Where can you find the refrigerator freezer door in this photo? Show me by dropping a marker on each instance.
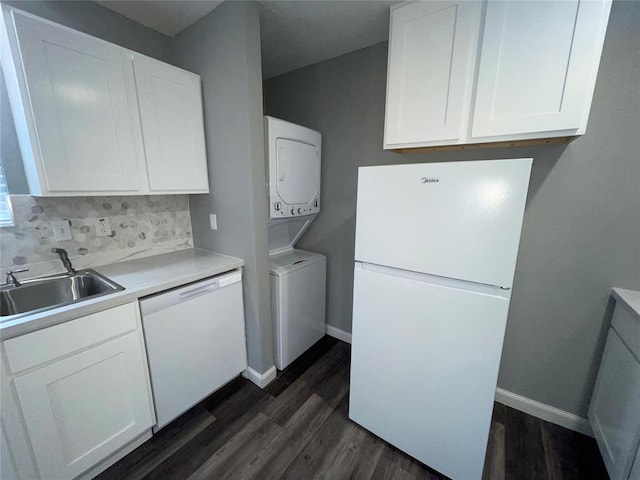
(459, 220)
(424, 367)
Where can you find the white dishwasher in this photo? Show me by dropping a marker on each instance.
(195, 337)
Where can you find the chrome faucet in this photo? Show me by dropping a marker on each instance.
(11, 278)
(64, 257)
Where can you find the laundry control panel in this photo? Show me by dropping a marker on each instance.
(279, 209)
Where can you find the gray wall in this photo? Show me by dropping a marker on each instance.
(224, 48)
(582, 224)
(87, 17)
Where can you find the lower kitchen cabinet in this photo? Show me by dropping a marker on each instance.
(614, 412)
(82, 406)
(81, 409)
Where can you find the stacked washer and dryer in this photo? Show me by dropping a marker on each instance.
(298, 277)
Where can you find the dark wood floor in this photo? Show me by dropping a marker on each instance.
(298, 428)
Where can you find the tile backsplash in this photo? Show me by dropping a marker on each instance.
(140, 226)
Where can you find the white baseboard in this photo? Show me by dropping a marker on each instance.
(260, 379)
(544, 412)
(337, 333)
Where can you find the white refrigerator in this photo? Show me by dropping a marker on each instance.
(435, 255)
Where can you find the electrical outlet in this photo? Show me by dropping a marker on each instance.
(62, 230)
(213, 221)
(103, 228)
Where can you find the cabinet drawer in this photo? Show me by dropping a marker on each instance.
(628, 326)
(47, 344)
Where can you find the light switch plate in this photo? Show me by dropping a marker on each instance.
(213, 221)
(62, 230)
(103, 227)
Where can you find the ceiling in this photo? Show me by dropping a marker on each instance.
(299, 33)
(165, 16)
(294, 34)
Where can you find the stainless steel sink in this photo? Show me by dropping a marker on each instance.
(40, 294)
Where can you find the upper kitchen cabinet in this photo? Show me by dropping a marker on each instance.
(93, 118)
(170, 102)
(538, 67)
(432, 49)
(77, 112)
(528, 80)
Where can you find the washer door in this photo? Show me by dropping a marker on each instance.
(298, 171)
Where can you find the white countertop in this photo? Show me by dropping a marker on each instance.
(141, 277)
(629, 297)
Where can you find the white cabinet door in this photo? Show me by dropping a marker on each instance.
(82, 408)
(432, 49)
(538, 66)
(170, 102)
(81, 109)
(614, 411)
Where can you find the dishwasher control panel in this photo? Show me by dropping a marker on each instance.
(165, 299)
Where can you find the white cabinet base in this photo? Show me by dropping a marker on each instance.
(614, 410)
(504, 143)
(81, 409)
(77, 394)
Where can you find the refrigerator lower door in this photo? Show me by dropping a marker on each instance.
(424, 367)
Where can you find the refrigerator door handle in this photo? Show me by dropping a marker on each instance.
(496, 290)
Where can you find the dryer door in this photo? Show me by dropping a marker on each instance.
(298, 171)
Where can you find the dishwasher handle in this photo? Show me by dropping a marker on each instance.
(163, 300)
(198, 290)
